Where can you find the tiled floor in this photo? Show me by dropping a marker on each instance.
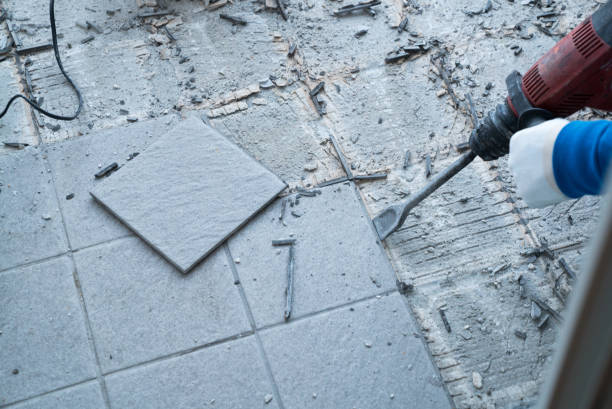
(102, 321)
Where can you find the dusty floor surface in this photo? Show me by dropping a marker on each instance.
(462, 250)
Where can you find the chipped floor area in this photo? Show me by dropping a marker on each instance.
(488, 306)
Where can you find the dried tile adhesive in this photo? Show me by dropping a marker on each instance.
(188, 192)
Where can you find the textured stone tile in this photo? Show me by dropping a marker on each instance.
(364, 356)
(141, 308)
(337, 258)
(74, 163)
(85, 396)
(43, 338)
(230, 375)
(30, 220)
(188, 192)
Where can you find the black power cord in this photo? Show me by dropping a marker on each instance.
(61, 67)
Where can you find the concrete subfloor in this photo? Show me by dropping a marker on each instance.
(461, 249)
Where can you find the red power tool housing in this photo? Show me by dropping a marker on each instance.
(576, 73)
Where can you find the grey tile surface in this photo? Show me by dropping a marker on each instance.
(188, 192)
(141, 308)
(30, 220)
(364, 356)
(43, 340)
(230, 375)
(85, 396)
(337, 259)
(74, 163)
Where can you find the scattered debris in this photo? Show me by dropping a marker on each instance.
(404, 287)
(133, 155)
(444, 320)
(289, 290)
(292, 48)
(427, 165)
(350, 8)
(406, 52)
(539, 251)
(361, 33)
(543, 321)
(477, 380)
(311, 166)
(487, 7)
(567, 269)
(156, 14)
(281, 9)
(536, 311)
(283, 207)
(520, 334)
(283, 242)
(233, 19)
(16, 145)
(107, 170)
(402, 25)
(374, 176)
(314, 97)
(216, 4)
(439, 62)
(406, 160)
(87, 39)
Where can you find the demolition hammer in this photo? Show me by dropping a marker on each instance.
(574, 74)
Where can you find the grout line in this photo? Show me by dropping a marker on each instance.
(64, 253)
(61, 388)
(77, 284)
(326, 310)
(33, 263)
(181, 353)
(251, 318)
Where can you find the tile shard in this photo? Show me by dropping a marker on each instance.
(188, 192)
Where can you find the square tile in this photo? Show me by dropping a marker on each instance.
(43, 339)
(363, 356)
(337, 256)
(74, 163)
(85, 396)
(231, 375)
(141, 308)
(188, 192)
(30, 220)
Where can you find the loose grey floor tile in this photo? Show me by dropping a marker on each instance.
(230, 375)
(141, 308)
(337, 258)
(85, 396)
(364, 356)
(188, 192)
(74, 164)
(43, 338)
(30, 221)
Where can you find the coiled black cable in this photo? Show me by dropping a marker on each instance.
(61, 67)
